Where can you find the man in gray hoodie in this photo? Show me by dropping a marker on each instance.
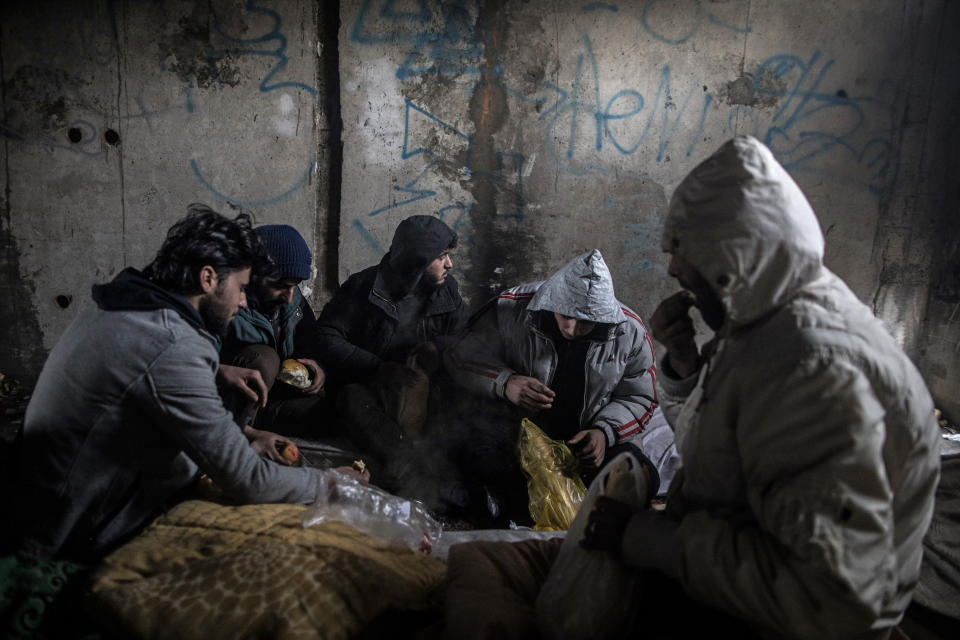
(127, 411)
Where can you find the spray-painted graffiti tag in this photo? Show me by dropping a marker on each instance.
(808, 128)
(420, 140)
(61, 107)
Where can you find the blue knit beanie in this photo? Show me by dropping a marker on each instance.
(287, 250)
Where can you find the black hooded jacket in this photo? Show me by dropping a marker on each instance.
(369, 320)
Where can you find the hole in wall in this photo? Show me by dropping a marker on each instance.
(63, 301)
(111, 136)
(74, 135)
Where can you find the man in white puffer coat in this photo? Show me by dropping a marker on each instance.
(808, 440)
(568, 354)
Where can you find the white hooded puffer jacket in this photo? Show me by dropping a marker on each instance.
(808, 438)
(620, 391)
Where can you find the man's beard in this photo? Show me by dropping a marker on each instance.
(427, 284)
(270, 307)
(215, 314)
(709, 305)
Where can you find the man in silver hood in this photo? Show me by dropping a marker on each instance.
(808, 439)
(575, 359)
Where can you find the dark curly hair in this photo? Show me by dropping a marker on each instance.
(204, 237)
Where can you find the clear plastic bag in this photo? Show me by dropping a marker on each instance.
(374, 511)
(591, 593)
(554, 484)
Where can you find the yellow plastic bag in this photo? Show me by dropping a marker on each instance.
(553, 483)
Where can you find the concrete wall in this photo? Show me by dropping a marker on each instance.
(116, 115)
(538, 129)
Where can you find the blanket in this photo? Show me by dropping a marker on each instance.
(205, 570)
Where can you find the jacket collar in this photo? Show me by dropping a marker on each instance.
(443, 299)
(130, 291)
(284, 312)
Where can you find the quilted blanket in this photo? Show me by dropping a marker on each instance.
(204, 570)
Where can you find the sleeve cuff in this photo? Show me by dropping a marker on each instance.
(670, 383)
(608, 432)
(500, 384)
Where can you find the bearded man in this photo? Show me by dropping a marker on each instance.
(127, 413)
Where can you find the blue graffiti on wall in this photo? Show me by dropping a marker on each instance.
(271, 44)
(509, 174)
(443, 39)
(581, 125)
(810, 128)
(690, 20)
(451, 49)
(96, 40)
(796, 133)
(581, 118)
(800, 132)
(251, 47)
(263, 202)
(640, 239)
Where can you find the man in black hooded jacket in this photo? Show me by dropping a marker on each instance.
(379, 338)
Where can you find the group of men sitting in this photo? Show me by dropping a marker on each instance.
(807, 438)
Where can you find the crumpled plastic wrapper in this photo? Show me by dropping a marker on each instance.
(553, 480)
(375, 512)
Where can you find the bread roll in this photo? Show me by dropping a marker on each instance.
(294, 373)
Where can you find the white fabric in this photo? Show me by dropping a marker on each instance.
(620, 393)
(590, 593)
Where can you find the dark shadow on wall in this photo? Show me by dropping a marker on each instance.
(21, 342)
(331, 142)
(940, 329)
(22, 354)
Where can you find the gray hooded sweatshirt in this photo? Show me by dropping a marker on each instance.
(125, 411)
(808, 438)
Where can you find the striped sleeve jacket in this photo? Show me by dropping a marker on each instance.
(503, 340)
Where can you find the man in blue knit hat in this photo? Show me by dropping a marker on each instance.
(276, 326)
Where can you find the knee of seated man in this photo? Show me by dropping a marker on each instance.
(261, 357)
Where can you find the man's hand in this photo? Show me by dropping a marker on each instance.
(590, 447)
(528, 392)
(606, 524)
(264, 444)
(672, 326)
(317, 376)
(249, 382)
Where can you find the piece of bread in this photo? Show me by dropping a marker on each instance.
(294, 373)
